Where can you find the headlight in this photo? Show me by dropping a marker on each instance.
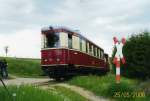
(50, 59)
(57, 59)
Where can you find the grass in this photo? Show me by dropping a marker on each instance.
(31, 93)
(105, 86)
(24, 67)
(68, 94)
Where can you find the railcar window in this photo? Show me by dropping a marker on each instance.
(91, 52)
(87, 47)
(90, 49)
(83, 46)
(80, 44)
(69, 41)
(102, 54)
(98, 52)
(94, 51)
(52, 40)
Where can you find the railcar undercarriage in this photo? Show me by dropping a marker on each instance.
(65, 72)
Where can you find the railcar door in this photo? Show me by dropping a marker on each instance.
(64, 46)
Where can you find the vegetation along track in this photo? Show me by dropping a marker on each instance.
(85, 93)
(51, 84)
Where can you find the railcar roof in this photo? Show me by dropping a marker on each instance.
(47, 30)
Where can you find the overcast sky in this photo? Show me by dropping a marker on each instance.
(98, 20)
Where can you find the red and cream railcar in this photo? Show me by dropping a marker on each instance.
(66, 53)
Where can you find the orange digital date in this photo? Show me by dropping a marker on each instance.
(129, 94)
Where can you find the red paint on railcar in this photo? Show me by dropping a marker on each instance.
(53, 56)
(70, 56)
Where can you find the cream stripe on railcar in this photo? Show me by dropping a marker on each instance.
(43, 41)
(75, 42)
(63, 39)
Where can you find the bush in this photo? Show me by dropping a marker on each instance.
(137, 54)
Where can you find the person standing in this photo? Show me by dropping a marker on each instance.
(1, 67)
(4, 72)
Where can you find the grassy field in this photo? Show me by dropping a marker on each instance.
(30, 93)
(24, 67)
(127, 90)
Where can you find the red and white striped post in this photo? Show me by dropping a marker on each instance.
(118, 44)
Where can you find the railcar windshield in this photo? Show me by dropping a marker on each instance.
(51, 40)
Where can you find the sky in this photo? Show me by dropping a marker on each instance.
(98, 20)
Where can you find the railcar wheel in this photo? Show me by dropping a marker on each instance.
(67, 78)
(59, 79)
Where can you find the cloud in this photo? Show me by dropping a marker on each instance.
(98, 20)
(23, 43)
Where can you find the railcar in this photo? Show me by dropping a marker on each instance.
(66, 53)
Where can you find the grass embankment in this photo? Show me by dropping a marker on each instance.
(24, 67)
(30, 93)
(127, 90)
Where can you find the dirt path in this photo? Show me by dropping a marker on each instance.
(85, 93)
(44, 83)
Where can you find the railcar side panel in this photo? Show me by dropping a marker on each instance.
(70, 56)
(83, 59)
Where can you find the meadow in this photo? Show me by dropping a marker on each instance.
(33, 93)
(24, 67)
